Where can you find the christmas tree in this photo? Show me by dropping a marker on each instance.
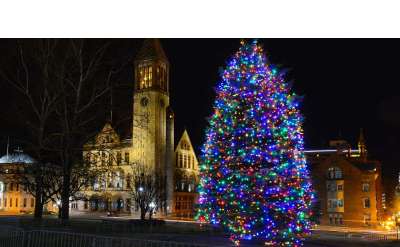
(254, 178)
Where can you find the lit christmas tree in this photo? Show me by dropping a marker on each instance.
(254, 178)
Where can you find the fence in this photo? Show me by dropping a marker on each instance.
(14, 237)
(382, 236)
(102, 226)
(11, 237)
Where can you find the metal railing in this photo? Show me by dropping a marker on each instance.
(14, 237)
(382, 236)
(11, 236)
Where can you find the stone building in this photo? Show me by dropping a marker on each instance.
(14, 198)
(347, 185)
(186, 178)
(151, 144)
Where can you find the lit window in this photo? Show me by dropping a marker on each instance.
(365, 187)
(127, 157)
(119, 158)
(367, 219)
(334, 173)
(180, 161)
(185, 145)
(162, 76)
(145, 76)
(128, 181)
(366, 202)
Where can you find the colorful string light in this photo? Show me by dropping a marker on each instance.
(254, 177)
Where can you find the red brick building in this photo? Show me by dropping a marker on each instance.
(347, 184)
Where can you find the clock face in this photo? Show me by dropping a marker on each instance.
(144, 101)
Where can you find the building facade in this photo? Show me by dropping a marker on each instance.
(347, 185)
(151, 145)
(14, 198)
(186, 178)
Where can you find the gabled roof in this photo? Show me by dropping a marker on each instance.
(151, 50)
(107, 135)
(185, 137)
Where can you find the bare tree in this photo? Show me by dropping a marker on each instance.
(36, 109)
(148, 189)
(63, 83)
(82, 177)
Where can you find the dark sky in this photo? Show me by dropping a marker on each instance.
(347, 84)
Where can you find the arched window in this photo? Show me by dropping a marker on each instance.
(180, 161)
(162, 76)
(145, 75)
(128, 181)
(185, 145)
(119, 158)
(192, 184)
(334, 173)
(184, 183)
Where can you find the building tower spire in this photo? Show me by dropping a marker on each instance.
(152, 67)
(8, 145)
(362, 148)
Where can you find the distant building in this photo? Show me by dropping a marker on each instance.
(396, 201)
(347, 184)
(14, 198)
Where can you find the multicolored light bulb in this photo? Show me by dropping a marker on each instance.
(254, 177)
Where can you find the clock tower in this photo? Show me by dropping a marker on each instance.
(150, 141)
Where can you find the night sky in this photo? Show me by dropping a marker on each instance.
(347, 84)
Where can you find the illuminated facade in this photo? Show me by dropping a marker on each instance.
(347, 185)
(151, 143)
(186, 178)
(14, 198)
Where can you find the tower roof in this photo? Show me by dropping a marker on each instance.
(151, 50)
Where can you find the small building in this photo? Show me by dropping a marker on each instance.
(14, 198)
(186, 178)
(347, 185)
